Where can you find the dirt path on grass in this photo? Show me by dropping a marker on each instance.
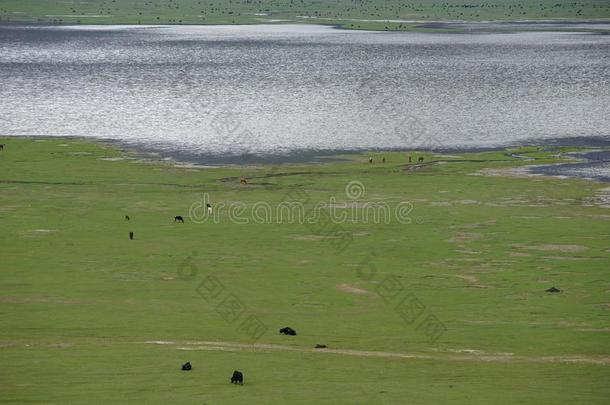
(469, 355)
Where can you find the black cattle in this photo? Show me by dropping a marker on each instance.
(288, 331)
(131, 235)
(237, 378)
(370, 160)
(187, 366)
(320, 346)
(553, 290)
(383, 159)
(127, 218)
(409, 159)
(1, 146)
(178, 218)
(420, 159)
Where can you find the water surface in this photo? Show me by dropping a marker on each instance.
(221, 90)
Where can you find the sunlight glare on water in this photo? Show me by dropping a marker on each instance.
(282, 88)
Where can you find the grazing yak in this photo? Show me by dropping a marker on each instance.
(420, 159)
(288, 331)
(187, 366)
(237, 378)
(127, 218)
(178, 218)
(131, 235)
(318, 346)
(553, 290)
(1, 146)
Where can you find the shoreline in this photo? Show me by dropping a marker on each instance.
(588, 165)
(430, 26)
(587, 146)
(313, 155)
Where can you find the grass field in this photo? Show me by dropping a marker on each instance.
(89, 316)
(373, 14)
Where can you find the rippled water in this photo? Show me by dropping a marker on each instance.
(593, 165)
(281, 88)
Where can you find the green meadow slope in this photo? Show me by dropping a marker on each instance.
(363, 14)
(444, 303)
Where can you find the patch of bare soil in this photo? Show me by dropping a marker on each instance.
(37, 232)
(20, 300)
(519, 254)
(352, 205)
(601, 198)
(440, 204)
(309, 237)
(468, 252)
(469, 278)
(352, 289)
(572, 258)
(555, 248)
(462, 237)
(602, 330)
(473, 281)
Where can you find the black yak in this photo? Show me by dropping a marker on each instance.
(237, 378)
(288, 331)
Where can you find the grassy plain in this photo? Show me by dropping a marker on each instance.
(89, 316)
(376, 15)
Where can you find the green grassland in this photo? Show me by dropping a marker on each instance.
(81, 305)
(347, 13)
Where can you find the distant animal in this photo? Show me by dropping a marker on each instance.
(370, 160)
(288, 331)
(187, 366)
(209, 209)
(383, 159)
(242, 180)
(320, 346)
(1, 146)
(553, 290)
(237, 378)
(127, 218)
(178, 218)
(420, 159)
(131, 235)
(409, 159)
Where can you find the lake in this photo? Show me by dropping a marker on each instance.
(220, 91)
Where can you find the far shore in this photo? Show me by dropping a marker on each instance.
(415, 25)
